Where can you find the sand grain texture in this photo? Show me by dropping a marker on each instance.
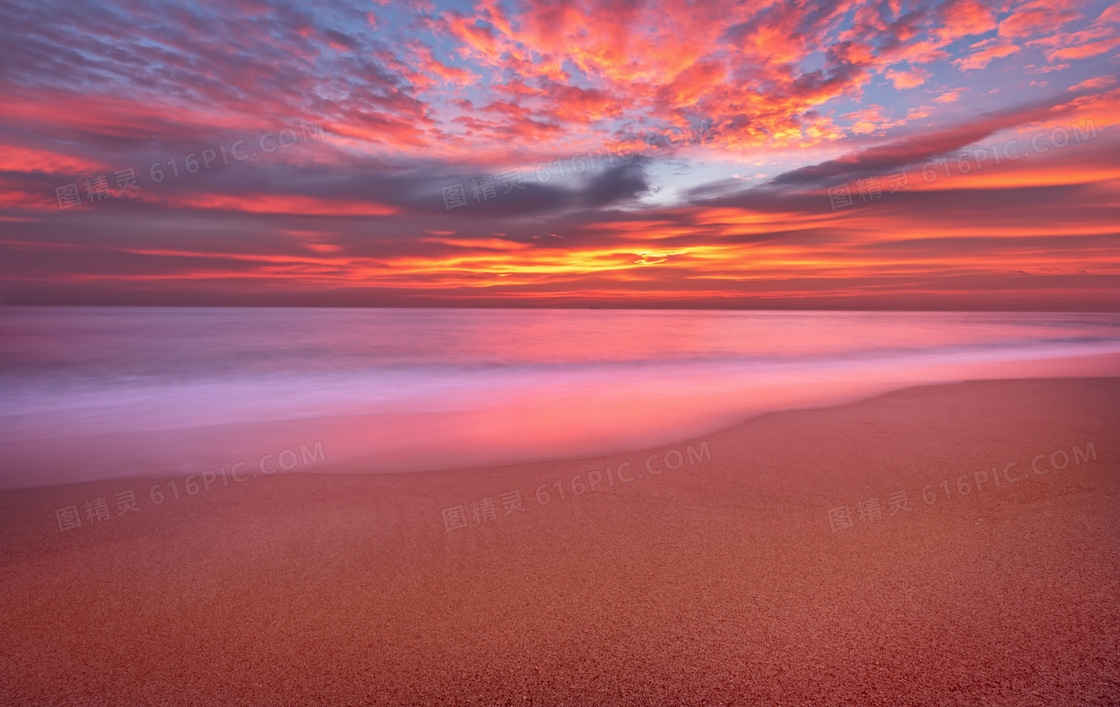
(717, 583)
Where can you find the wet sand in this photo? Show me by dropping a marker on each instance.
(725, 580)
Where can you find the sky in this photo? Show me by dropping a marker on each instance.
(955, 155)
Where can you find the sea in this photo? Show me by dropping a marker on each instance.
(89, 393)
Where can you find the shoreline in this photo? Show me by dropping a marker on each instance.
(176, 489)
(202, 450)
(724, 579)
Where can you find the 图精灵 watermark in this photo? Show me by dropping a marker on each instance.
(485, 187)
(870, 510)
(485, 510)
(97, 510)
(98, 188)
(967, 161)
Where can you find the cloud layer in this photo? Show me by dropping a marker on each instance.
(820, 154)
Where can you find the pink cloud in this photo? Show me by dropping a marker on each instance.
(1085, 50)
(981, 59)
(1035, 17)
(907, 79)
(1094, 83)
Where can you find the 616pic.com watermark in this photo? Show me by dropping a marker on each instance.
(870, 510)
(485, 510)
(97, 187)
(870, 188)
(484, 187)
(97, 510)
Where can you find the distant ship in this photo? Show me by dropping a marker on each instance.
(595, 306)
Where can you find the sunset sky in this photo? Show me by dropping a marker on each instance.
(823, 155)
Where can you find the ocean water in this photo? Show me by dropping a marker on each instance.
(106, 392)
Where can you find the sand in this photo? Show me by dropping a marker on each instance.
(720, 582)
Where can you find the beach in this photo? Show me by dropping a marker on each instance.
(556, 353)
(720, 569)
